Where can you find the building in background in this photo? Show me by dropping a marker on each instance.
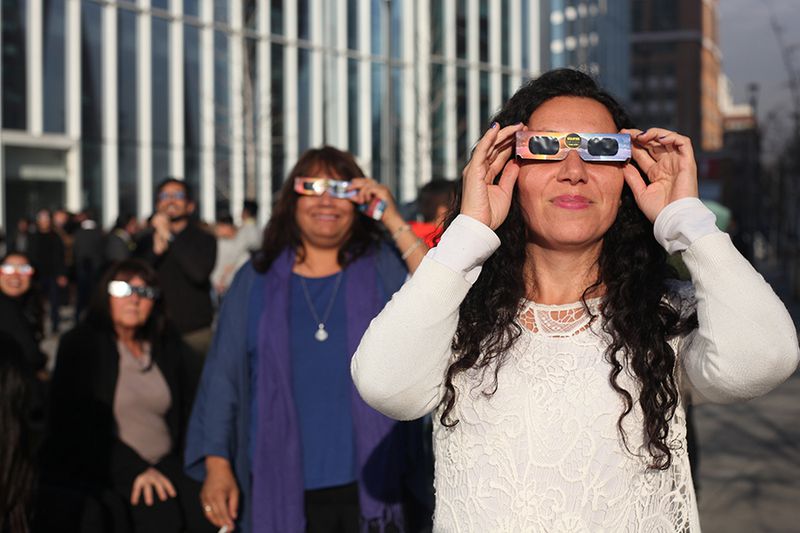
(592, 35)
(103, 99)
(676, 67)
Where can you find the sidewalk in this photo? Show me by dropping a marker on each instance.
(750, 454)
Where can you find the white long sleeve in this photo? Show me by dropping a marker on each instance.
(400, 364)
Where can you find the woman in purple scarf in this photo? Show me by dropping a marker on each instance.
(278, 433)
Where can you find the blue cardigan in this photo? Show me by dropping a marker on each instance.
(221, 421)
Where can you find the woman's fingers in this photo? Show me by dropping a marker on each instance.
(634, 180)
(161, 491)
(148, 494)
(136, 491)
(509, 177)
(233, 505)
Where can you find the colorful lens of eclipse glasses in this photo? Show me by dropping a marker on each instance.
(122, 289)
(554, 146)
(23, 270)
(319, 186)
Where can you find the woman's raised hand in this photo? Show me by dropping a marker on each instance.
(668, 161)
(481, 198)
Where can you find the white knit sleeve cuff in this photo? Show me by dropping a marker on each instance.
(682, 222)
(465, 246)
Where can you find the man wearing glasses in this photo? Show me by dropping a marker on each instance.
(183, 254)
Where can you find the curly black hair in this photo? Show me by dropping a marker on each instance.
(632, 268)
(282, 230)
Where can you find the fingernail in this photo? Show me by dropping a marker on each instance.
(494, 125)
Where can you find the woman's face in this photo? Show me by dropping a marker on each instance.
(130, 312)
(15, 276)
(324, 221)
(570, 204)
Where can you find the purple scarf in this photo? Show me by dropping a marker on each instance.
(277, 503)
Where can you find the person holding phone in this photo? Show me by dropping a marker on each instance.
(278, 434)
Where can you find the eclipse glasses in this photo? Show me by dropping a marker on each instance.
(319, 186)
(554, 146)
(9, 270)
(338, 189)
(122, 289)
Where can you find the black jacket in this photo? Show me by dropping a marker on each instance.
(82, 448)
(14, 322)
(46, 251)
(184, 270)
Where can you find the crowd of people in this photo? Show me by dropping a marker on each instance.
(522, 335)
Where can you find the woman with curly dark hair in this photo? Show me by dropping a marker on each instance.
(279, 435)
(550, 335)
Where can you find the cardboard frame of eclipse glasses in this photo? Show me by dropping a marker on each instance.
(554, 146)
(312, 186)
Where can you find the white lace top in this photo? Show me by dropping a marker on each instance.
(543, 453)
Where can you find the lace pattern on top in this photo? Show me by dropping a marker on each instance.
(559, 320)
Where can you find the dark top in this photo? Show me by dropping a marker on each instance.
(184, 270)
(46, 252)
(82, 449)
(88, 249)
(14, 322)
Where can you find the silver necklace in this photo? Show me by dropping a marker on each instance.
(321, 335)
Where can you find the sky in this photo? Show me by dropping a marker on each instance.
(750, 53)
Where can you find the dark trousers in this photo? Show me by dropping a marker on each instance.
(175, 515)
(52, 292)
(332, 510)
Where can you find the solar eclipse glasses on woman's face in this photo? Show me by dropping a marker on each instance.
(554, 146)
(122, 289)
(319, 186)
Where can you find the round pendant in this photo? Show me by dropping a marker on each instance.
(321, 334)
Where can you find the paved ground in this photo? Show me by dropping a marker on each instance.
(750, 456)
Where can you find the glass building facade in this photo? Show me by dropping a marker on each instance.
(103, 99)
(592, 35)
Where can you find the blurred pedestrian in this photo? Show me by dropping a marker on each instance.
(281, 438)
(434, 201)
(249, 235)
(17, 469)
(87, 251)
(46, 252)
(551, 339)
(231, 255)
(184, 256)
(120, 242)
(20, 309)
(19, 240)
(121, 395)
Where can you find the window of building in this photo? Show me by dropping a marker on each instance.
(191, 8)
(191, 105)
(14, 31)
(276, 115)
(160, 97)
(438, 123)
(483, 31)
(221, 10)
(222, 123)
(91, 105)
(53, 66)
(353, 101)
(127, 111)
(304, 98)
